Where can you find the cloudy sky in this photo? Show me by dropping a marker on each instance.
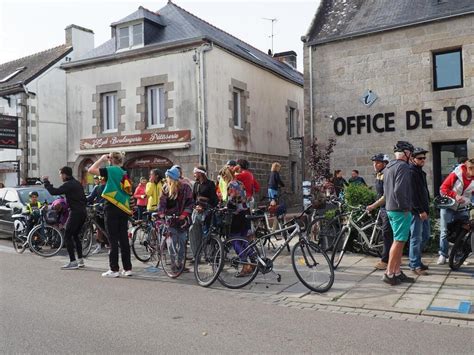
(31, 26)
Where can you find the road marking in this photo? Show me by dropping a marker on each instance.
(464, 308)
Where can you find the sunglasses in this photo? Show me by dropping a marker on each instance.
(420, 158)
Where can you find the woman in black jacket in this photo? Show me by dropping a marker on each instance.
(274, 181)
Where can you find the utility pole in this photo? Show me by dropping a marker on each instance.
(273, 20)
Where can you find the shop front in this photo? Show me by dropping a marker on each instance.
(143, 152)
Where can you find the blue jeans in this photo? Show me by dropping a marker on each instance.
(420, 234)
(447, 216)
(179, 239)
(272, 194)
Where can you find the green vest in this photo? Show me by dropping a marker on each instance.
(117, 188)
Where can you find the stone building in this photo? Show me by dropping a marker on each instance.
(381, 71)
(33, 97)
(169, 88)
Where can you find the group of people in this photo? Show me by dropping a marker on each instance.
(189, 201)
(335, 183)
(404, 199)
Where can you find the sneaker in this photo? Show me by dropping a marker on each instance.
(80, 263)
(72, 265)
(404, 278)
(111, 273)
(441, 260)
(424, 267)
(127, 273)
(420, 272)
(97, 250)
(381, 265)
(393, 281)
(467, 263)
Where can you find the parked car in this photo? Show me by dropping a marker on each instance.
(13, 200)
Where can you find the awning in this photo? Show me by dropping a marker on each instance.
(135, 148)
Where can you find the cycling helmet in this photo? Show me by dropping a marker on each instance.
(386, 159)
(33, 193)
(379, 157)
(418, 151)
(401, 146)
(444, 201)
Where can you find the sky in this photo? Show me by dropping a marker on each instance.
(28, 27)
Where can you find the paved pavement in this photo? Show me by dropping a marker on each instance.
(442, 297)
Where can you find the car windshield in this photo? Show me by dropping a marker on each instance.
(43, 195)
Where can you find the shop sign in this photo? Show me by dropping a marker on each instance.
(8, 132)
(368, 98)
(160, 137)
(385, 122)
(149, 161)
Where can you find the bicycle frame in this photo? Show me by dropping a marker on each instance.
(361, 230)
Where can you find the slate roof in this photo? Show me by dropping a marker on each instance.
(141, 13)
(182, 26)
(338, 19)
(33, 65)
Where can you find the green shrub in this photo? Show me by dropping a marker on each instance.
(330, 214)
(356, 195)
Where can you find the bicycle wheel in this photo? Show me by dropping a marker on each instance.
(45, 240)
(460, 251)
(208, 262)
(19, 242)
(340, 246)
(323, 232)
(87, 237)
(144, 243)
(239, 263)
(312, 266)
(173, 254)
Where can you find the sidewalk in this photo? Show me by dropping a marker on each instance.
(357, 286)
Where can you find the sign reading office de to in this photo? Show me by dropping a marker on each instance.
(159, 137)
(8, 132)
(385, 122)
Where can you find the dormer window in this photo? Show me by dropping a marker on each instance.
(130, 36)
(11, 75)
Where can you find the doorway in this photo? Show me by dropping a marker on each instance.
(445, 158)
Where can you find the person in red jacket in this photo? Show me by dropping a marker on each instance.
(141, 197)
(460, 186)
(250, 183)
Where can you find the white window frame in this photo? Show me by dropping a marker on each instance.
(237, 105)
(131, 42)
(292, 126)
(109, 118)
(9, 76)
(156, 117)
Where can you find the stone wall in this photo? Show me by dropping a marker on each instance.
(397, 66)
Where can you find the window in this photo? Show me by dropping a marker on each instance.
(123, 38)
(109, 113)
(130, 36)
(292, 123)
(237, 110)
(11, 196)
(9, 76)
(447, 69)
(293, 172)
(156, 106)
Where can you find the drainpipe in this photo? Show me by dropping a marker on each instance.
(202, 102)
(311, 118)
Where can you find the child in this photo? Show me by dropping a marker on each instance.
(32, 209)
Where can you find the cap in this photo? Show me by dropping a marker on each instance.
(173, 173)
(231, 163)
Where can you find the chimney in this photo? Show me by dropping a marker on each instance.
(289, 58)
(81, 39)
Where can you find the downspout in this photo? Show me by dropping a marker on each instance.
(311, 116)
(202, 103)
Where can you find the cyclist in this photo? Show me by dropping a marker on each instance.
(61, 207)
(274, 182)
(380, 161)
(95, 197)
(140, 196)
(76, 200)
(398, 194)
(246, 177)
(204, 194)
(458, 185)
(176, 199)
(32, 210)
(153, 190)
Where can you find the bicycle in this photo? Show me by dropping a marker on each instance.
(208, 262)
(145, 244)
(310, 263)
(93, 224)
(370, 242)
(172, 247)
(43, 239)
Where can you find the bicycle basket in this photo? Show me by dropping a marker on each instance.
(51, 216)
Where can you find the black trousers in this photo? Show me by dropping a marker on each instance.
(116, 225)
(387, 235)
(73, 227)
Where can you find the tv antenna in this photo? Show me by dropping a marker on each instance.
(273, 20)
